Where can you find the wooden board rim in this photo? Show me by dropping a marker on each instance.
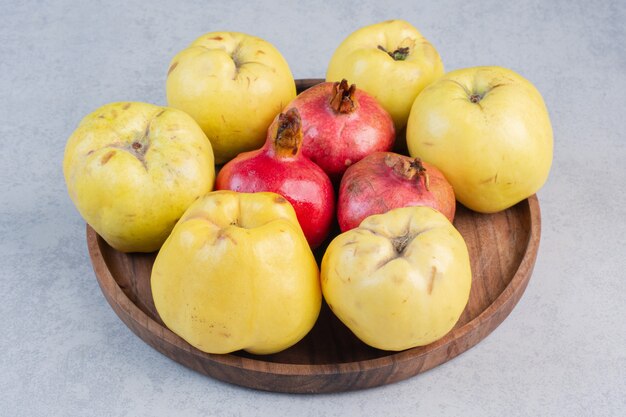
(479, 327)
(283, 377)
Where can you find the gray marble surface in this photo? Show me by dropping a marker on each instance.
(64, 352)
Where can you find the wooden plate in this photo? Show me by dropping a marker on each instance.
(502, 246)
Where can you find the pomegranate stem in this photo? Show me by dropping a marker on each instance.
(343, 99)
(410, 170)
(420, 171)
(288, 133)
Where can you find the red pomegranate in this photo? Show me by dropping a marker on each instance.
(385, 180)
(280, 167)
(341, 125)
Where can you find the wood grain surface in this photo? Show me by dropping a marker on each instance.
(502, 246)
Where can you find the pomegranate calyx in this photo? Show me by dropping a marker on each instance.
(420, 171)
(343, 100)
(410, 170)
(288, 133)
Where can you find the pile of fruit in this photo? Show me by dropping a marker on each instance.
(235, 267)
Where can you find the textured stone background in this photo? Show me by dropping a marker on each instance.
(63, 352)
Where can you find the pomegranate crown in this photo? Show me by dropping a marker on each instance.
(409, 169)
(289, 131)
(343, 100)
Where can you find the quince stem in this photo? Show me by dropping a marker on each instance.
(399, 54)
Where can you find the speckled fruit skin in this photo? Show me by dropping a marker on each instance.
(283, 169)
(488, 130)
(133, 168)
(399, 280)
(364, 58)
(335, 140)
(232, 84)
(385, 180)
(237, 273)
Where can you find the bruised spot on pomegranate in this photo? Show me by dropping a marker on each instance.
(354, 187)
(107, 157)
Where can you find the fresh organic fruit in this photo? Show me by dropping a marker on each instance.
(233, 85)
(390, 60)
(132, 169)
(488, 130)
(400, 280)
(341, 124)
(237, 273)
(280, 167)
(383, 181)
